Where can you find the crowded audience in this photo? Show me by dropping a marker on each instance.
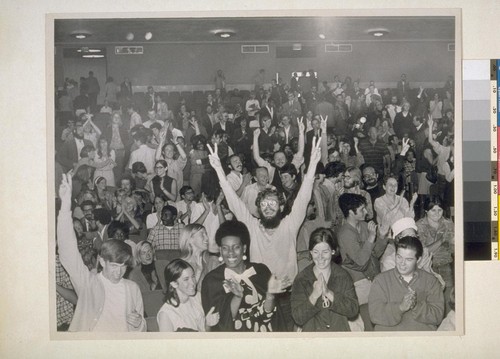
(302, 206)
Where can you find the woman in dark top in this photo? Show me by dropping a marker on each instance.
(243, 293)
(161, 184)
(144, 273)
(323, 295)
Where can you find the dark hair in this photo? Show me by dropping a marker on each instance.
(410, 242)
(172, 272)
(288, 168)
(130, 179)
(87, 203)
(432, 201)
(140, 136)
(138, 167)
(183, 190)
(233, 228)
(155, 125)
(267, 193)
(198, 138)
(333, 169)
(228, 159)
(163, 163)
(99, 151)
(116, 251)
(84, 153)
(350, 202)
(326, 235)
(170, 208)
(116, 225)
(102, 215)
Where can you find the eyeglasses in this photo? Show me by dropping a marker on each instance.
(269, 203)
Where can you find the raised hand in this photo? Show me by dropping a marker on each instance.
(315, 153)
(220, 198)
(256, 133)
(212, 318)
(323, 123)
(214, 157)
(406, 146)
(65, 187)
(301, 125)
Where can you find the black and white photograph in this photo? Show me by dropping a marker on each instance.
(255, 173)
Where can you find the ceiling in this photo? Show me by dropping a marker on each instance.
(262, 29)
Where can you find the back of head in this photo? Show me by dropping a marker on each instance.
(116, 251)
(138, 167)
(288, 168)
(102, 215)
(333, 169)
(350, 202)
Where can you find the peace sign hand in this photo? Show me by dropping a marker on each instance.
(406, 146)
(323, 122)
(315, 153)
(301, 124)
(214, 157)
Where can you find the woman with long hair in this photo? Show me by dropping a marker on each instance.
(182, 310)
(105, 162)
(193, 243)
(175, 156)
(391, 206)
(323, 294)
(144, 273)
(104, 197)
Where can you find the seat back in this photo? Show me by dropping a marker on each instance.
(163, 258)
(153, 300)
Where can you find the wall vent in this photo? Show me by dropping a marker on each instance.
(338, 47)
(254, 49)
(129, 50)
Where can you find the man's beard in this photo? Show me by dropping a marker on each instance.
(371, 183)
(352, 185)
(270, 223)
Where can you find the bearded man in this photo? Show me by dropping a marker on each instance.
(273, 235)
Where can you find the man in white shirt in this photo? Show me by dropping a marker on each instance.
(152, 118)
(135, 118)
(236, 179)
(143, 153)
(106, 301)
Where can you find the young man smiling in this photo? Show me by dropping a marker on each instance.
(106, 301)
(406, 298)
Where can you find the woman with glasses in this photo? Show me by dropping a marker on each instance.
(161, 184)
(323, 294)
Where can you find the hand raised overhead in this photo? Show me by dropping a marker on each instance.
(214, 157)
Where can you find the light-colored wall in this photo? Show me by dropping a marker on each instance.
(194, 65)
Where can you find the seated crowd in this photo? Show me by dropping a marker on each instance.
(304, 207)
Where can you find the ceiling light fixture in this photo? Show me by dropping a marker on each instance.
(378, 32)
(322, 36)
(129, 36)
(297, 47)
(80, 35)
(148, 36)
(223, 33)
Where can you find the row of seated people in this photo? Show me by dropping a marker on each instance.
(272, 240)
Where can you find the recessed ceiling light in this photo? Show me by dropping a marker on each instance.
(223, 33)
(130, 36)
(80, 34)
(148, 36)
(378, 32)
(322, 36)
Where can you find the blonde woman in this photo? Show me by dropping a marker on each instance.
(193, 242)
